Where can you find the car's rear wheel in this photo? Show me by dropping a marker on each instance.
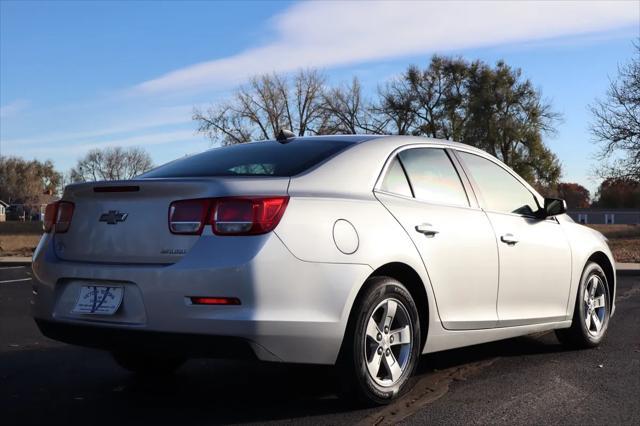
(591, 312)
(147, 364)
(382, 343)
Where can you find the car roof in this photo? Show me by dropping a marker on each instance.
(400, 140)
(362, 164)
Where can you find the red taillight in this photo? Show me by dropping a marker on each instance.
(57, 216)
(227, 216)
(247, 216)
(50, 213)
(63, 217)
(215, 301)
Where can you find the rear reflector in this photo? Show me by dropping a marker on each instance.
(215, 300)
(57, 216)
(227, 216)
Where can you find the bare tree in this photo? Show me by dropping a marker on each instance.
(266, 104)
(346, 111)
(616, 124)
(111, 164)
(395, 107)
(493, 108)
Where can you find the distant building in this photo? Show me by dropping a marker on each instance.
(596, 216)
(3, 211)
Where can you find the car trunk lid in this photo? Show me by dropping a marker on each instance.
(127, 221)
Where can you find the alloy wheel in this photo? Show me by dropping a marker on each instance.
(388, 342)
(595, 305)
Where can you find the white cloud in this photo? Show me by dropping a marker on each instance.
(150, 139)
(13, 108)
(163, 116)
(327, 34)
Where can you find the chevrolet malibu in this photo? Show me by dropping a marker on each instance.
(361, 252)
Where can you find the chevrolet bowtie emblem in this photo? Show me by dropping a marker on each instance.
(113, 217)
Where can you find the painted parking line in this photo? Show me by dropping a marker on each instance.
(10, 267)
(15, 281)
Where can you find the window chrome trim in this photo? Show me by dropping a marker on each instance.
(472, 203)
(427, 202)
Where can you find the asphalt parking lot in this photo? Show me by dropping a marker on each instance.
(528, 380)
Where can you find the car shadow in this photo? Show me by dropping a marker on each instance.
(537, 344)
(66, 384)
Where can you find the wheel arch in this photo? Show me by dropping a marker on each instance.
(410, 278)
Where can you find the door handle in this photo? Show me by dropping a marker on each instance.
(427, 229)
(509, 239)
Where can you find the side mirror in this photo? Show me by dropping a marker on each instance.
(553, 207)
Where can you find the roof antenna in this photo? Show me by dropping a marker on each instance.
(285, 136)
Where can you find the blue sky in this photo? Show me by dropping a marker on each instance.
(78, 75)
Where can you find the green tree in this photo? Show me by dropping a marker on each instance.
(507, 118)
(492, 108)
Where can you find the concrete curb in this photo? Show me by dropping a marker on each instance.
(14, 261)
(626, 269)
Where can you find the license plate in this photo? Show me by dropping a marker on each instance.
(100, 300)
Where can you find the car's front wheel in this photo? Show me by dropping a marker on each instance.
(147, 364)
(382, 343)
(591, 311)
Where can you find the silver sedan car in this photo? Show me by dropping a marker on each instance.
(361, 252)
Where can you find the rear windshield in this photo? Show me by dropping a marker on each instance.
(267, 158)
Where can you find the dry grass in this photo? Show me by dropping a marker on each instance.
(18, 245)
(20, 228)
(618, 231)
(624, 241)
(625, 249)
(19, 238)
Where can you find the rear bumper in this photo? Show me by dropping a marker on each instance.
(291, 311)
(116, 339)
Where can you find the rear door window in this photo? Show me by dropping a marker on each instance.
(433, 177)
(395, 181)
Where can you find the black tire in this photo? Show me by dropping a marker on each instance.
(578, 335)
(357, 383)
(147, 364)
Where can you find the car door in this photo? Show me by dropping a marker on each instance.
(425, 193)
(535, 257)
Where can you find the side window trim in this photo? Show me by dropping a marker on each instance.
(472, 196)
(406, 175)
(478, 192)
(467, 185)
(453, 164)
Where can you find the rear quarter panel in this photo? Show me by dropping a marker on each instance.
(306, 230)
(342, 189)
